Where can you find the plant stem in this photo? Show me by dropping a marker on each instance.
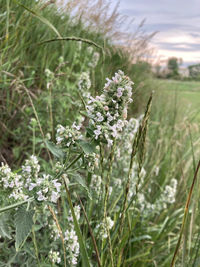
(35, 246)
(38, 121)
(91, 233)
(60, 233)
(111, 159)
(16, 205)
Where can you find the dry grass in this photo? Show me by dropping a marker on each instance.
(102, 17)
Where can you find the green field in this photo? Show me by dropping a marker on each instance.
(184, 95)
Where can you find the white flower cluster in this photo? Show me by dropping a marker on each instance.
(95, 184)
(170, 192)
(72, 245)
(137, 179)
(94, 61)
(128, 136)
(84, 84)
(167, 197)
(12, 182)
(117, 183)
(55, 235)
(89, 50)
(54, 256)
(49, 76)
(67, 136)
(30, 183)
(91, 161)
(108, 111)
(102, 227)
(58, 167)
(47, 188)
(30, 170)
(156, 170)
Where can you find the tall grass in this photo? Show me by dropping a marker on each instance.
(25, 56)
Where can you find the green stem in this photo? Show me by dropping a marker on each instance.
(85, 259)
(50, 111)
(35, 246)
(74, 161)
(111, 159)
(33, 140)
(16, 205)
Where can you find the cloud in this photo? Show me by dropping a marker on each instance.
(177, 23)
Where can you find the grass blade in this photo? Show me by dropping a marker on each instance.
(91, 233)
(42, 19)
(85, 259)
(185, 215)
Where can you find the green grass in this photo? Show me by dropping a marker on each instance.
(186, 93)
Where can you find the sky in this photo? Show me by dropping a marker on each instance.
(177, 23)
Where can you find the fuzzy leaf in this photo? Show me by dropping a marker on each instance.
(88, 148)
(57, 152)
(23, 224)
(79, 180)
(4, 229)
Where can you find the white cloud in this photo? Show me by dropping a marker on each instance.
(177, 23)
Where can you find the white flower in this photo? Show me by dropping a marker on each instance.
(54, 196)
(31, 186)
(40, 196)
(108, 223)
(119, 92)
(99, 117)
(54, 256)
(97, 133)
(110, 142)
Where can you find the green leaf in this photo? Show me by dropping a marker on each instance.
(81, 182)
(87, 147)
(57, 152)
(139, 256)
(90, 132)
(4, 229)
(23, 224)
(143, 237)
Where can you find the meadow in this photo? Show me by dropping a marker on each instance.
(186, 94)
(98, 159)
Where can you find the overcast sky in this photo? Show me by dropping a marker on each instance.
(177, 23)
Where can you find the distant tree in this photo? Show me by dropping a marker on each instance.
(194, 71)
(158, 70)
(173, 66)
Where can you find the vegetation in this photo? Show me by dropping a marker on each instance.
(24, 59)
(194, 71)
(95, 170)
(172, 65)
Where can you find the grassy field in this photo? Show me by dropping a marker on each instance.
(185, 96)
